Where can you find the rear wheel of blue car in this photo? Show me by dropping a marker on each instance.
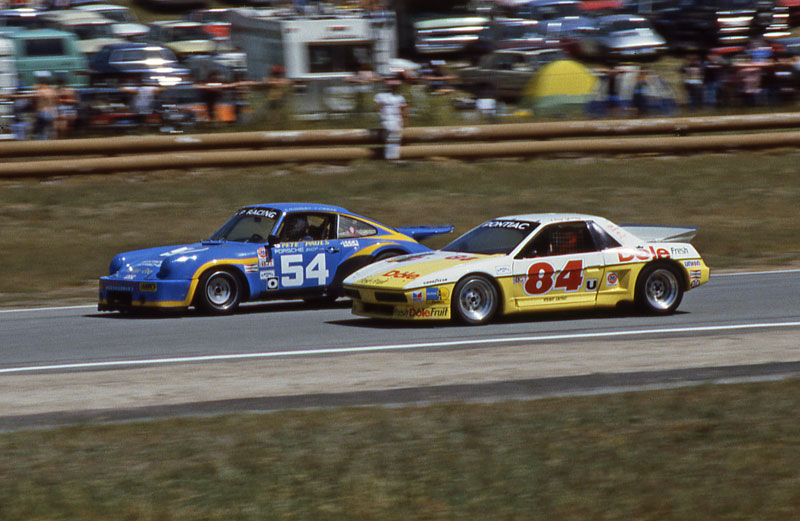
(219, 292)
(475, 300)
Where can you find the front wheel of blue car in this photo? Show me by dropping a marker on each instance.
(475, 300)
(219, 292)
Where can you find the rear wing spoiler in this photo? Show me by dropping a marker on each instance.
(661, 233)
(423, 232)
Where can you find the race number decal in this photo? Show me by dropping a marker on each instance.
(540, 277)
(293, 275)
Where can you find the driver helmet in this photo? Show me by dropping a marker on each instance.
(295, 228)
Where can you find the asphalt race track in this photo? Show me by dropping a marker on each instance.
(77, 362)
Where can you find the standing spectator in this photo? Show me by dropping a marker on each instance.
(693, 82)
(612, 101)
(46, 102)
(144, 101)
(67, 107)
(211, 92)
(393, 111)
(278, 85)
(639, 100)
(712, 77)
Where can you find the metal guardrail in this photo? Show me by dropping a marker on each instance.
(667, 135)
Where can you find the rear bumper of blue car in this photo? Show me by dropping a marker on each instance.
(125, 295)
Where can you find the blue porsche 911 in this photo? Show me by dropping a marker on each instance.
(263, 252)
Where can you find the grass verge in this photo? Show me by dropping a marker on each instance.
(58, 235)
(709, 452)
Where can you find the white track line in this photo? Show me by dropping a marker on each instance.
(395, 347)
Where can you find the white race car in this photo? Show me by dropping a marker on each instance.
(519, 263)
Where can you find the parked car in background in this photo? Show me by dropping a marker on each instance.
(49, 50)
(20, 18)
(184, 38)
(92, 29)
(559, 19)
(622, 37)
(216, 22)
(691, 25)
(140, 63)
(124, 25)
(448, 34)
(504, 74)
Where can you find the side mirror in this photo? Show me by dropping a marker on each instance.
(272, 240)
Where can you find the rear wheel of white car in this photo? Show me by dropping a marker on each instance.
(219, 292)
(475, 300)
(659, 290)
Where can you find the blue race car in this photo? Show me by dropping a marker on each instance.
(263, 252)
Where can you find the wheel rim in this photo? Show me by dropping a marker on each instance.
(662, 289)
(476, 300)
(221, 290)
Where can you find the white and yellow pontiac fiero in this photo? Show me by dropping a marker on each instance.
(547, 262)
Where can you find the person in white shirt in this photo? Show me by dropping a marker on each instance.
(393, 111)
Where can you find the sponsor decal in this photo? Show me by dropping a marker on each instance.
(612, 281)
(417, 296)
(433, 294)
(434, 312)
(351, 243)
(119, 288)
(679, 251)
(516, 225)
(542, 279)
(272, 283)
(501, 271)
(462, 258)
(694, 283)
(692, 263)
(262, 253)
(520, 279)
(434, 281)
(251, 268)
(642, 254)
(148, 286)
(266, 263)
(695, 274)
(267, 274)
(290, 249)
(553, 300)
(259, 212)
(591, 284)
(397, 274)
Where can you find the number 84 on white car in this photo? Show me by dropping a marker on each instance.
(546, 262)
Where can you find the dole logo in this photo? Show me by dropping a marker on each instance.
(397, 274)
(643, 254)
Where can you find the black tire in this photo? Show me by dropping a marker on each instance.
(659, 289)
(475, 300)
(386, 255)
(219, 292)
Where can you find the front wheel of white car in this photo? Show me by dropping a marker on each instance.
(475, 300)
(219, 292)
(659, 290)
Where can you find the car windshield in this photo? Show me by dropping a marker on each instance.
(627, 25)
(498, 236)
(248, 225)
(153, 56)
(91, 31)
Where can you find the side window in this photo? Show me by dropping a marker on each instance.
(560, 239)
(350, 228)
(307, 227)
(603, 240)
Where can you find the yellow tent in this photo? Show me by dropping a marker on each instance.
(560, 86)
